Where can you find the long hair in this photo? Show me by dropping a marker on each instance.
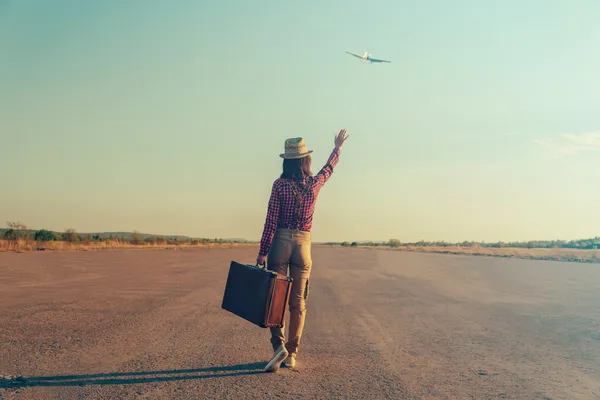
(296, 168)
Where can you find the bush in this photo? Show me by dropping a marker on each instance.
(136, 238)
(10, 235)
(394, 243)
(151, 239)
(87, 239)
(44, 235)
(16, 231)
(71, 236)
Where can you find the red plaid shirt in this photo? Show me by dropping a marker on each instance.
(282, 203)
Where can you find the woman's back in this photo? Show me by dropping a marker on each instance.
(292, 201)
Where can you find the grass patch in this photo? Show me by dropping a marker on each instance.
(32, 245)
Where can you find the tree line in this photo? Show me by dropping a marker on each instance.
(17, 231)
(583, 244)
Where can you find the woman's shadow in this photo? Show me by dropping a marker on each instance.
(125, 378)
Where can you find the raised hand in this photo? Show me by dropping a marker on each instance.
(340, 138)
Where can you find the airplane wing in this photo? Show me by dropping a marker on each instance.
(355, 55)
(378, 60)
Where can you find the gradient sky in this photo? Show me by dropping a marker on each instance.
(168, 117)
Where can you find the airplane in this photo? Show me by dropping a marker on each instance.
(367, 57)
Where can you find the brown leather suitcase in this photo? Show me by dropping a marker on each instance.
(257, 295)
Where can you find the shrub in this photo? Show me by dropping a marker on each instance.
(16, 231)
(151, 239)
(136, 238)
(10, 235)
(44, 235)
(394, 243)
(87, 239)
(71, 236)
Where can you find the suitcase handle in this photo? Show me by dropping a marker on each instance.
(264, 267)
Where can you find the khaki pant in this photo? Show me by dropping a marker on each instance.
(291, 248)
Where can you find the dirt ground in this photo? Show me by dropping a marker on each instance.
(147, 324)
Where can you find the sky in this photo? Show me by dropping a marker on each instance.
(169, 117)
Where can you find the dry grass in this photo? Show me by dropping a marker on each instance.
(556, 254)
(32, 245)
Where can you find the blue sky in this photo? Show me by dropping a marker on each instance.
(168, 117)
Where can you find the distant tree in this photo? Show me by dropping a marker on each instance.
(16, 226)
(346, 244)
(44, 235)
(71, 236)
(136, 238)
(10, 234)
(393, 243)
(87, 239)
(354, 244)
(17, 231)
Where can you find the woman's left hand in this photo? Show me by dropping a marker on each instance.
(260, 260)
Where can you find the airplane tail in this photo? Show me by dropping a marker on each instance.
(366, 55)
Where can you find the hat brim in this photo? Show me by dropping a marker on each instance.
(294, 156)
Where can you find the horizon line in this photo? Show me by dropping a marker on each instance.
(27, 228)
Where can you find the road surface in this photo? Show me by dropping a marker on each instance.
(147, 324)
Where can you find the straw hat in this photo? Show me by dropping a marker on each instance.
(295, 148)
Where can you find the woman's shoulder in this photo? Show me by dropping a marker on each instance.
(277, 183)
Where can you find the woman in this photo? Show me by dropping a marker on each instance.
(286, 237)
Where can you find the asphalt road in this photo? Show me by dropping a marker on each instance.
(147, 324)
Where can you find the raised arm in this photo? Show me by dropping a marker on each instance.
(270, 223)
(325, 173)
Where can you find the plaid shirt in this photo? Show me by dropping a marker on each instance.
(282, 203)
